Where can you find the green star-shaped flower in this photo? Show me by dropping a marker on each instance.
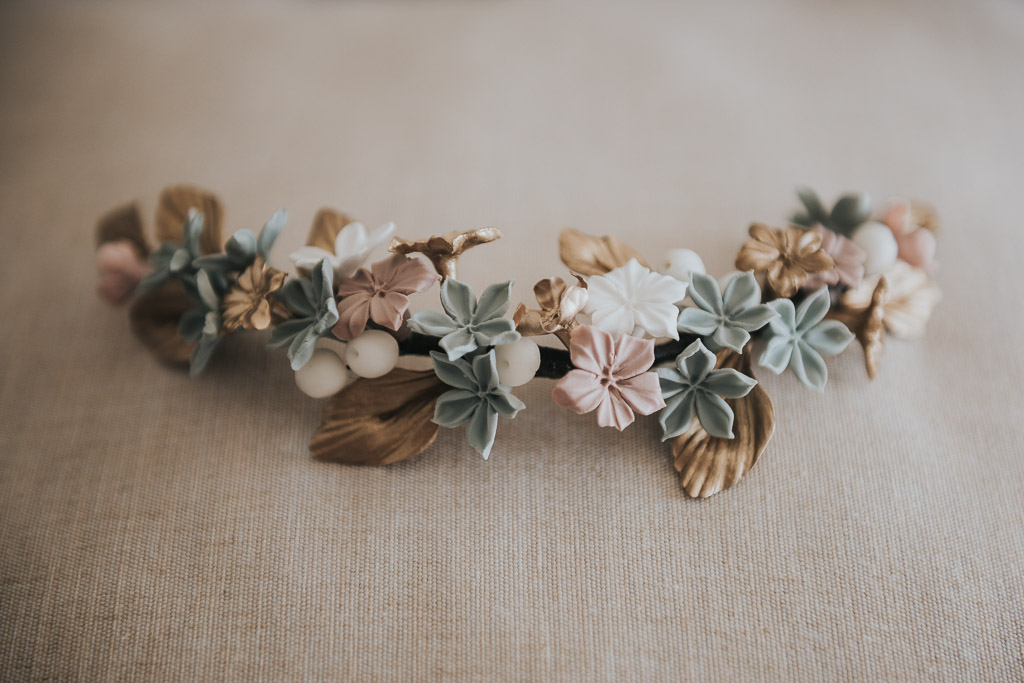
(243, 247)
(467, 324)
(311, 300)
(726, 321)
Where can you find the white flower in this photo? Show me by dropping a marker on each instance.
(351, 247)
(633, 300)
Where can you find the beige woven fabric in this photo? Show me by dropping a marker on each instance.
(158, 528)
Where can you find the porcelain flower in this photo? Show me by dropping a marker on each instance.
(800, 337)
(610, 377)
(380, 294)
(202, 325)
(467, 324)
(351, 248)
(847, 257)
(311, 301)
(634, 300)
(478, 397)
(249, 304)
(727, 320)
(693, 386)
(174, 260)
(244, 247)
(786, 257)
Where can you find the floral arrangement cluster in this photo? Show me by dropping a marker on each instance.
(673, 342)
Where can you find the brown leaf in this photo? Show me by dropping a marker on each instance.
(589, 255)
(172, 210)
(867, 324)
(708, 464)
(154, 319)
(379, 421)
(326, 225)
(123, 224)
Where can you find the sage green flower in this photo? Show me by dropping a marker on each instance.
(242, 249)
(176, 260)
(311, 301)
(726, 321)
(694, 386)
(477, 398)
(467, 324)
(845, 216)
(800, 337)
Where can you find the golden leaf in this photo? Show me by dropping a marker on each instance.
(326, 225)
(154, 318)
(708, 464)
(912, 298)
(123, 224)
(868, 325)
(379, 421)
(588, 255)
(172, 210)
(443, 251)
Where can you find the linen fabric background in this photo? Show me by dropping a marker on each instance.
(160, 528)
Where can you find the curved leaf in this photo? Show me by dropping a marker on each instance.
(123, 224)
(326, 225)
(708, 464)
(154, 318)
(589, 255)
(172, 211)
(379, 421)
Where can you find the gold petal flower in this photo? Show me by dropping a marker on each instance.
(444, 250)
(249, 305)
(559, 305)
(786, 257)
(912, 298)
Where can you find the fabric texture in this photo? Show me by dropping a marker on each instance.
(154, 527)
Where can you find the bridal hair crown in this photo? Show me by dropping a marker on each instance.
(673, 341)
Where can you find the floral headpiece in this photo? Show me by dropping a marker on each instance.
(676, 343)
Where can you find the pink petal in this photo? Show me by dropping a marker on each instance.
(897, 216)
(632, 356)
(613, 412)
(591, 349)
(360, 283)
(917, 248)
(353, 312)
(642, 393)
(388, 309)
(404, 275)
(580, 391)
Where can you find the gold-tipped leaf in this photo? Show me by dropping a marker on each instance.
(379, 421)
(172, 210)
(123, 224)
(154, 318)
(589, 255)
(708, 464)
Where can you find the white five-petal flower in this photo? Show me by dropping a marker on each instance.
(634, 300)
(351, 247)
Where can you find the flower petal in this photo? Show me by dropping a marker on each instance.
(695, 362)
(405, 275)
(485, 369)
(579, 391)
(482, 429)
(458, 343)
(671, 382)
(728, 383)
(458, 300)
(642, 393)
(308, 257)
(351, 240)
(505, 403)
(455, 407)
(614, 412)
(353, 313)
(493, 302)
(677, 415)
(754, 318)
(731, 337)
(776, 355)
(657, 319)
(705, 292)
(697, 321)
(631, 356)
(388, 310)
(812, 310)
(784, 324)
(616, 321)
(828, 337)
(808, 366)
(715, 415)
(591, 349)
(434, 323)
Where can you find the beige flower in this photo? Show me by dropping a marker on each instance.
(912, 297)
(444, 250)
(249, 305)
(786, 257)
(559, 305)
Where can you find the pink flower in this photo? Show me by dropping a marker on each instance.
(120, 268)
(848, 257)
(916, 244)
(610, 377)
(380, 294)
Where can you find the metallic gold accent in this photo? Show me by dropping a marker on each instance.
(786, 256)
(708, 464)
(154, 318)
(912, 298)
(589, 255)
(559, 305)
(172, 210)
(444, 250)
(326, 225)
(868, 325)
(123, 224)
(379, 421)
(249, 304)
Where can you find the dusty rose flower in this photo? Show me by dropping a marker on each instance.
(786, 257)
(380, 294)
(610, 377)
(916, 243)
(120, 268)
(848, 258)
(249, 304)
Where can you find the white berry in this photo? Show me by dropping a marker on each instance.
(681, 262)
(374, 353)
(517, 362)
(878, 243)
(324, 375)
